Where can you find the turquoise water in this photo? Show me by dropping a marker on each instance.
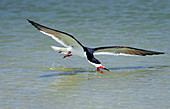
(34, 76)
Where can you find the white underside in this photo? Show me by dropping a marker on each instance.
(66, 50)
(96, 65)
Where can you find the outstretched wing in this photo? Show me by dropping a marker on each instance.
(63, 38)
(121, 50)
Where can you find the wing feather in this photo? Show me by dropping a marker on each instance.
(63, 38)
(122, 50)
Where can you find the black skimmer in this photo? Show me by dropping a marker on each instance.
(73, 47)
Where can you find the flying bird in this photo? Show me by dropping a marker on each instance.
(73, 47)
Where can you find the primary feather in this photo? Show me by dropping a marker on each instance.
(121, 50)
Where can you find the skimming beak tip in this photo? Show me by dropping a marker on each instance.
(107, 69)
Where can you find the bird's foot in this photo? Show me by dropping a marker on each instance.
(101, 72)
(68, 55)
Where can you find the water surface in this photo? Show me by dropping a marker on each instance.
(32, 75)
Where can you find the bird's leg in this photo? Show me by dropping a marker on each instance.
(68, 54)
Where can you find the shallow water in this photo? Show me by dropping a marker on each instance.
(32, 75)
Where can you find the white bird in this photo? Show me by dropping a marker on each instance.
(73, 47)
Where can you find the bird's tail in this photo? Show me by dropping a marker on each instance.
(60, 49)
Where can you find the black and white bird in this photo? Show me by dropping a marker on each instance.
(73, 47)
